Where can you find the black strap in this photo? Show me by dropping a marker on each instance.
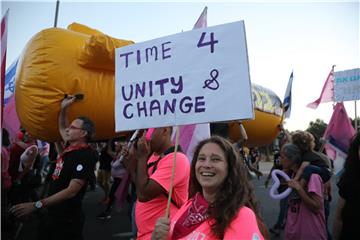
(155, 164)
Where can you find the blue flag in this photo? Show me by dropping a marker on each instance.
(9, 87)
(287, 98)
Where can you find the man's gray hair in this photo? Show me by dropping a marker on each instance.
(88, 126)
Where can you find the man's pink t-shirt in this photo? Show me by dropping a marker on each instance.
(301, 223)
(244, 226)
(146, 213)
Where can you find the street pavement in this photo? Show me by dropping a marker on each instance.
(119, 227)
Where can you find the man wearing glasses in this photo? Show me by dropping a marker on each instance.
(74, 166)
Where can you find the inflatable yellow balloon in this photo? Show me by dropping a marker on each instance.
(81, 60)
(268, 117)
(56, 62)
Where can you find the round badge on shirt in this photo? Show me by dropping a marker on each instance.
(255, 236)
(79, 167)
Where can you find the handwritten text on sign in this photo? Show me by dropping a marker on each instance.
(191, 77)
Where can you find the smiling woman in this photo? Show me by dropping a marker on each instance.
(222, 203)
(211, 169)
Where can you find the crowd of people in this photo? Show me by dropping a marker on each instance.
(209, 196)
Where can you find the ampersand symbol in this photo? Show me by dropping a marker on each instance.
(209, 83)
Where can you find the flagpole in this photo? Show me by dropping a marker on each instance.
(167, 211)
(356, 123)
(4, 24)
(56, 13)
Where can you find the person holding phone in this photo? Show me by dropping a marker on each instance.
(153, 159)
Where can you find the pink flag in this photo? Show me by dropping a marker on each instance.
(11, 120)
(202, 21)
(3, 58)
(327, 92)
(338, 135)
(190, 135)
(339, 131)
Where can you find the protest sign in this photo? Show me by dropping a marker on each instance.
(191, 77)
(347, 85)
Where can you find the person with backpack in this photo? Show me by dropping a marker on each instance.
(151, 161)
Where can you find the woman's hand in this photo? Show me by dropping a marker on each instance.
(294, 184)
(161, 230)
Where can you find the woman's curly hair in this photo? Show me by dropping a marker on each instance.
(234, 193)
(304, 140)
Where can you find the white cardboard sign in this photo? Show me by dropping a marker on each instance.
(191, 77)
(347, 85)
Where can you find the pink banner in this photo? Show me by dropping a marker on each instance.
(4, 21)
(339, 131)
(327, 92)
(11, 120)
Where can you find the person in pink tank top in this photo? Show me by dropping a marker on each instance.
(150, 168)
(222, 203)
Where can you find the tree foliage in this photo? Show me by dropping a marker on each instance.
(317, 129)
(353, 122)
